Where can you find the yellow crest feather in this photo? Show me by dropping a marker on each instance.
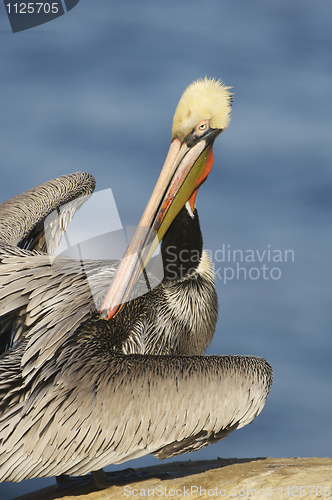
(207, 99)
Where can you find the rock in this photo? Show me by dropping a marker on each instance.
(258, 478)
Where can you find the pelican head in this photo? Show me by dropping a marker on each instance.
(201, 115)
(206, 99)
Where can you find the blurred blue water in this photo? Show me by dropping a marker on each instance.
(96, 90)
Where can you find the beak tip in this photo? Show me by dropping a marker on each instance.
(104, 314)
(108, 312)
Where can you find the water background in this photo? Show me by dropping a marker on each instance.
(96, 90)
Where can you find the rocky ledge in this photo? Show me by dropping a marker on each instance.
(257, 478)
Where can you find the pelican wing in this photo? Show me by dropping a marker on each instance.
(46, 299)
(90, 408)
(30, 281)
(22, 217)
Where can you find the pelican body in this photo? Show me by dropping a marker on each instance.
(83, 386)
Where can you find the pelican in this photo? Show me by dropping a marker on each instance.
(82, 385)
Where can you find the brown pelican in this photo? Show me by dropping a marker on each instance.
(79, 392)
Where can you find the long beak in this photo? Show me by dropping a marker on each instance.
(184, 170)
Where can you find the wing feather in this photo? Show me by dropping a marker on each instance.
(32, 285)
(98, 408)
(22, 217)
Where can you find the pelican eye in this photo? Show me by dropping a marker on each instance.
(201, 128)
(197, 133)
